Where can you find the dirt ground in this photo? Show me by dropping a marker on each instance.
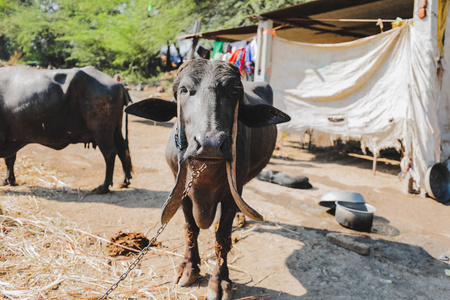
(286, 257)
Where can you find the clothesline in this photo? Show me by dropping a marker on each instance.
(343, 20)
(289, 20)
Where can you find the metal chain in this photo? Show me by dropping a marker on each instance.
(194, 175)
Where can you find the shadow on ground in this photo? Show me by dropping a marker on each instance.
(392, 270)
(349, 153)
(129, 198)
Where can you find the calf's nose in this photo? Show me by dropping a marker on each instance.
(210, 144)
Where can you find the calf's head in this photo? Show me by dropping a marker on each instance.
(208, 102)
(207, 93)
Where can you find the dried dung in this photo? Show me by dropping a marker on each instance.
(123, 243)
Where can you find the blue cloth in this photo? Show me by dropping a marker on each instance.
(249, 64)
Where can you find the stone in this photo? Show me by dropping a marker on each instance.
(348, 243)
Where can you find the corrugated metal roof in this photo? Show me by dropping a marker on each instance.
(226, 35)
(324, 21)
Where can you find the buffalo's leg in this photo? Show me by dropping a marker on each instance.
(219, 286)
(108, 150)
(124, 154)
(9, 178)
(188, 271)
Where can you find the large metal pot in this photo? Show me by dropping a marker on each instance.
(357, 216)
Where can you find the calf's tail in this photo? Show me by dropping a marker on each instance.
(128, 164)
(126, 102)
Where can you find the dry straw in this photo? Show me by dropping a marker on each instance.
(44, 257)
(51, 258)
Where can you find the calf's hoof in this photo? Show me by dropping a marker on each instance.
(125, 183)
(8, 181)
(186, 274)
(240, 220)
(219, 289)
(102, 189)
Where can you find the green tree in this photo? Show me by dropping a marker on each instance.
(222, 14)
(6, 49)
(29, 27)
(113, 35)
(119, 35)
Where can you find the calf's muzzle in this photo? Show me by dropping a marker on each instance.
(212, 145)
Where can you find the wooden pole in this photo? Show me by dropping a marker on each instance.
(263, 65)
(196, 30)
(374, 165)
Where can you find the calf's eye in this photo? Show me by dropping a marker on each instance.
(183, 90)
(236, 91)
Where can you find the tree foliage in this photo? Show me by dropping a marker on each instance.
(113, 35)
(222, 14)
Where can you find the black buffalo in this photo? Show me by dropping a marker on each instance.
(56, 108)
(228, 132)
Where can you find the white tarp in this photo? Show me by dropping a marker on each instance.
(378, 90)
(444, 99)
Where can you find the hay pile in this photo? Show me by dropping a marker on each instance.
(51, 258)
(31, 173)
(44, 257)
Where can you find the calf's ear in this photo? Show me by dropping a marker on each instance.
(261, 115)
(154, 109)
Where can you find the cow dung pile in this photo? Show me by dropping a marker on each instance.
(127, 243)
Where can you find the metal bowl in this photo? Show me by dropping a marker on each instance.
(329, 199)
(357, 216)
(437, 182)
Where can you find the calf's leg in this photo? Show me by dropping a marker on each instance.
(240, 220)
(219, 286)
(9, 178)
(188, 271)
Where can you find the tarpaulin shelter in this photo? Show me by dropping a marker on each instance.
(339, 76)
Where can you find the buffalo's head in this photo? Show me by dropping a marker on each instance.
(208, 101)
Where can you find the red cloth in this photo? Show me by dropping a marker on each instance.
(234, 56)
(238, 57)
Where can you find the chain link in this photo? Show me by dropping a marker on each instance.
(194, 175)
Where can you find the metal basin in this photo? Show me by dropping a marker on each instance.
(437, 182)
(357, 216)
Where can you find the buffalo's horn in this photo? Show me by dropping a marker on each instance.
(231, 174)
(176, 196)
(244, 207)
